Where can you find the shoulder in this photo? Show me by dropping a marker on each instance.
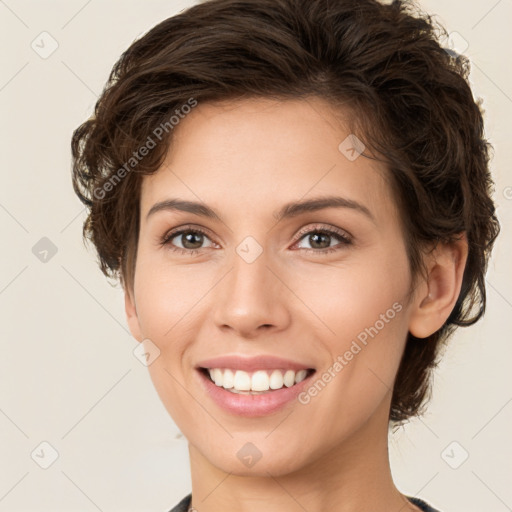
(423, 505)
(183, 505)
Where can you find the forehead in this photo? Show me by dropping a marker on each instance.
(255, 154)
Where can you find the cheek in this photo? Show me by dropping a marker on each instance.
(366, 317)
(363, 323)
(166, 297)
(354, 296)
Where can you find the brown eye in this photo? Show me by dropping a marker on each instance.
(320, 240)
(191, 239)
(186, 241)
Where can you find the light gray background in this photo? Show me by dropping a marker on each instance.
(68, 374)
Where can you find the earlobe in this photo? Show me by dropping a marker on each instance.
(438, 295)
(131, 315)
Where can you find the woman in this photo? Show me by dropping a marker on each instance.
(295, 195)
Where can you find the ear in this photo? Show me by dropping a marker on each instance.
(131, 314)
(436, 296)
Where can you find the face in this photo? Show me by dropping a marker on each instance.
(308, 303)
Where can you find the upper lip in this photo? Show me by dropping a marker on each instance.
(248, 364)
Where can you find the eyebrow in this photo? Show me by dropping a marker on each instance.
(289, 210)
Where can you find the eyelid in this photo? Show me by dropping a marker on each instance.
(344, 235)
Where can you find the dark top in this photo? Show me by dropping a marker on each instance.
(183, 505)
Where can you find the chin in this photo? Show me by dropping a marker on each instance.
(240, 457)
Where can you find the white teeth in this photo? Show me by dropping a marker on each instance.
(242, 381)
(260, 381)
(289, 378)
(257, 382)
(218, 377)
(276, 380)
(228, 379)
(300, 376)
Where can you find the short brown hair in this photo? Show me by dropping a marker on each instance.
(408, 99)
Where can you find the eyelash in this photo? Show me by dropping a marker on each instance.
(343, 237)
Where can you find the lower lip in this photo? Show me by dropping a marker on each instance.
(252, 405)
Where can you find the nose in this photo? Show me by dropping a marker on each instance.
(251, 299)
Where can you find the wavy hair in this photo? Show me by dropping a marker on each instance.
(408, 100)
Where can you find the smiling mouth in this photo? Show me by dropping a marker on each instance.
(257, 382)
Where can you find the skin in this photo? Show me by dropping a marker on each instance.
(246, 159)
